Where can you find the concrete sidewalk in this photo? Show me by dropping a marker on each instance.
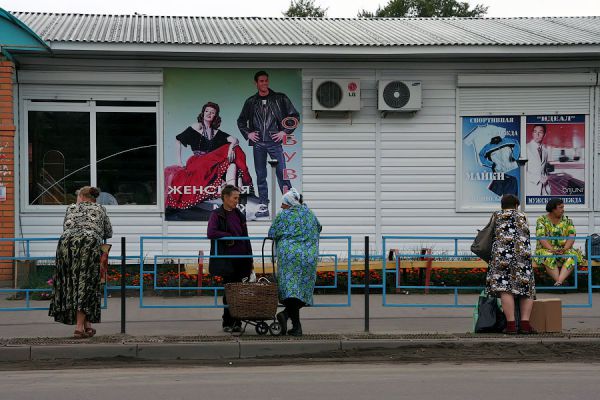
(315, 320)
(179, 334)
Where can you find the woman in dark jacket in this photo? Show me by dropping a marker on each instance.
(229, 221)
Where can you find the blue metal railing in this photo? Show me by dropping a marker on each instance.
(217, 289)
(29, 292)
(456, 254)
(28, 257)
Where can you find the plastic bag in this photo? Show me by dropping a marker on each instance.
(489, 315)
(252, 278)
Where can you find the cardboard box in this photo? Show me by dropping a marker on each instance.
(546, 315)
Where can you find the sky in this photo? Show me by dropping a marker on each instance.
(274, 8)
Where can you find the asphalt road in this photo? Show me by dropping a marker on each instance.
(311, 381)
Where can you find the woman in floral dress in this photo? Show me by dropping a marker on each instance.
(510, 273)
(76, 282)
(296, 232)
(556, 224)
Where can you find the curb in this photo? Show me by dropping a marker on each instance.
(68, 352)
(188, 351)
(263, 349)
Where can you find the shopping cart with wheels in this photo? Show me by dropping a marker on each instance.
(255, 303)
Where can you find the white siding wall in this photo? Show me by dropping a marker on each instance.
(339, 162)
(364, 174)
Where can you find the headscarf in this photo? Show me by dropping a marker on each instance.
(291, 198)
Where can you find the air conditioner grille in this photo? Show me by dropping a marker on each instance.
(329, 94)
(396, 94)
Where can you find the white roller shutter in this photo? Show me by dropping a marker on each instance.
(90, 85)
(522, 94)
(521, 101)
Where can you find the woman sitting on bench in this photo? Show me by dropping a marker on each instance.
(556, 224)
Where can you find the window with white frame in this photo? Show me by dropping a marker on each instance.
(108, 144)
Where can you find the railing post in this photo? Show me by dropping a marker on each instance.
(367, 282)
(200, 267)
(274, 187)
(123, 265)
(521, 162)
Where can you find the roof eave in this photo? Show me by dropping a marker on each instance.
(130, 50)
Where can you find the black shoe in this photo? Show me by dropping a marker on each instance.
(236, 328)
(295, 331)
(282, 320)
(228, 329)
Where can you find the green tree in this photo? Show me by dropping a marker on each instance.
(305, 8)
(426, 8)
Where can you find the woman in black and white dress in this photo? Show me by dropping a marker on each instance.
(510, 273)
(76, 294)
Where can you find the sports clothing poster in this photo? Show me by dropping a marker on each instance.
(490, 146)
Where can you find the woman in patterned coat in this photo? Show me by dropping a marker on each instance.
(509, 272)
(296, 232)
(76, 288)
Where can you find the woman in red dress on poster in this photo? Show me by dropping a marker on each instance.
(217, 161)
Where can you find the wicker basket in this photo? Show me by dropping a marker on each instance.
(252, 301)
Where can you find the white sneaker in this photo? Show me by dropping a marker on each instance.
(262, 211)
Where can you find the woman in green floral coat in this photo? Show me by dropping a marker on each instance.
(76, 282)
(296, 232)
(555, 252)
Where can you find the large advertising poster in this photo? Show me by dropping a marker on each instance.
(490, 147)
(556, 154)
(222, 126)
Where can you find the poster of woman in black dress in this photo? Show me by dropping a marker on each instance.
(217, 160)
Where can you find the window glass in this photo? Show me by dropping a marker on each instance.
(126, 157)
(58, 156)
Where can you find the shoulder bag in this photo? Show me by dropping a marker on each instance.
(482, 245)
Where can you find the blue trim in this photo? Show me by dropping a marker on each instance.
(22, 31)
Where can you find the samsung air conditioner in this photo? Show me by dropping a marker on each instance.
(401, 96)
(336, 94)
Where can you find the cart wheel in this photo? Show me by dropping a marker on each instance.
(275, 328)
(262, 328)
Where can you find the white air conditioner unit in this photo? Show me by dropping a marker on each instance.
(336, 94)
(395, 95)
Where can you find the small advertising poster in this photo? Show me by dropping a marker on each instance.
(490, 146)
(556, 154)
(224, 127)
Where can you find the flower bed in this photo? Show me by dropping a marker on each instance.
(171, 276)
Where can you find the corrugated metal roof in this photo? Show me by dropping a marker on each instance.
(251, 31)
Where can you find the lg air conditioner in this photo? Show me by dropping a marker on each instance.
(401, 96)
(336, 94)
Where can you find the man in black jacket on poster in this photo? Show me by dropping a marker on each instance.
(265, 120)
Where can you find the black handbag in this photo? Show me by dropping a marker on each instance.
(490, 319)
(595, 239)
(482, 245)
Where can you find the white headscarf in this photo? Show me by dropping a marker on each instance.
(291, 198)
